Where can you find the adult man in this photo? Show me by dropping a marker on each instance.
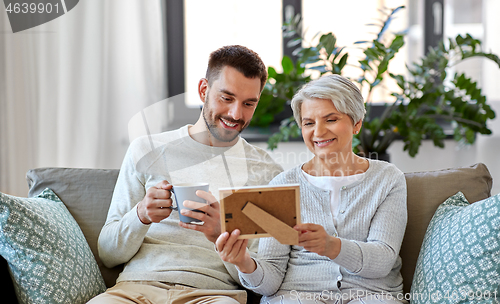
(166, 263)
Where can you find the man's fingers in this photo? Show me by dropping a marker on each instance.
(242, 245)
(194, 214)
(232, 247)
(158, 193)
(233, 238)
(206, 196)
(160, 190)
(211, 210)
(162, 203)
(159, 214)
(196, 205)
(221, 241)
(191, 226)
(209, 215)
(163, 185)
(211, 207)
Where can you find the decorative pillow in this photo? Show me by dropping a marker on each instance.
(49, 258)
(459, 261)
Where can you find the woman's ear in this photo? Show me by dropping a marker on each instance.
(203, 89)
(357, 126)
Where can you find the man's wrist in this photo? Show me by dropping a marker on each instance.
(248, 267)
(139, 216)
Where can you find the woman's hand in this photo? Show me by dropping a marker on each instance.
(315, 239)
(235, 251)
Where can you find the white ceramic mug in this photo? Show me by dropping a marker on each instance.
(187, 191)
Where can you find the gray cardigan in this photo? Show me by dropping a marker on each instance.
(371, 223)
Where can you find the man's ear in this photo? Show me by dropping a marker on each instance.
(203, 89)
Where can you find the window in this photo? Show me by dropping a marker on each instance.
(461, 17)
(257, 24)
(211, 24)
(348, 21)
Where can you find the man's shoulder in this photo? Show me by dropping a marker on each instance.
(257, 154)
(147, 145)
(256, 150)
(157, 138)
(261, 165)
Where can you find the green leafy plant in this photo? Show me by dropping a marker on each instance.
(279, 88)
(427, 96)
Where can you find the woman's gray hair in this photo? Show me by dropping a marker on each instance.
(346, 96)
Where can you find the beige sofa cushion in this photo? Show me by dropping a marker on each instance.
(87, 195)
(426, 191)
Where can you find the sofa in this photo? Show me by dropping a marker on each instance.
(86, 193)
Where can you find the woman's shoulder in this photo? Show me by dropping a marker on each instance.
(288, 176)
(378, 167)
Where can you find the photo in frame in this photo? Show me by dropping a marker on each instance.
(261, 211)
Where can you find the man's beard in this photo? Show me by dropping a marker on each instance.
(217, 131)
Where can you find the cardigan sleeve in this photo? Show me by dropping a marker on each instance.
(272, 263)
(376, 257)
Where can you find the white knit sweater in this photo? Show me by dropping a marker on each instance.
(164, 251)
(371, 223)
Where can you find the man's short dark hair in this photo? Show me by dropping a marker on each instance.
(239, 57)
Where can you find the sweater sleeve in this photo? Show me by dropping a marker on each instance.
(123, 233)
(376, 257)
(253, 245)
(272, 262)
(266, 174)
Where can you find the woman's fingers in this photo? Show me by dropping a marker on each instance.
(307, 227)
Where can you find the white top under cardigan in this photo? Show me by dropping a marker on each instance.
(335, 185)
(371, 223)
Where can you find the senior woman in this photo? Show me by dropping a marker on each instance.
(353, 209)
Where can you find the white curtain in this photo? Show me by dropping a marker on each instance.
(69, 87)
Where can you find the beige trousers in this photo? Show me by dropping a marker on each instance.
(145, 292)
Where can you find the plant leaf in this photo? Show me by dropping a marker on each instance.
(287, 64)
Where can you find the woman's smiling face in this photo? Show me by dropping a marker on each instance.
(326, 131)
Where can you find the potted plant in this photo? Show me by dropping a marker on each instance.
(427, 96)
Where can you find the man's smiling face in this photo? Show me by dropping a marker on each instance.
(230, 103)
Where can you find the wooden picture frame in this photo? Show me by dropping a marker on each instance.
(281, 203)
